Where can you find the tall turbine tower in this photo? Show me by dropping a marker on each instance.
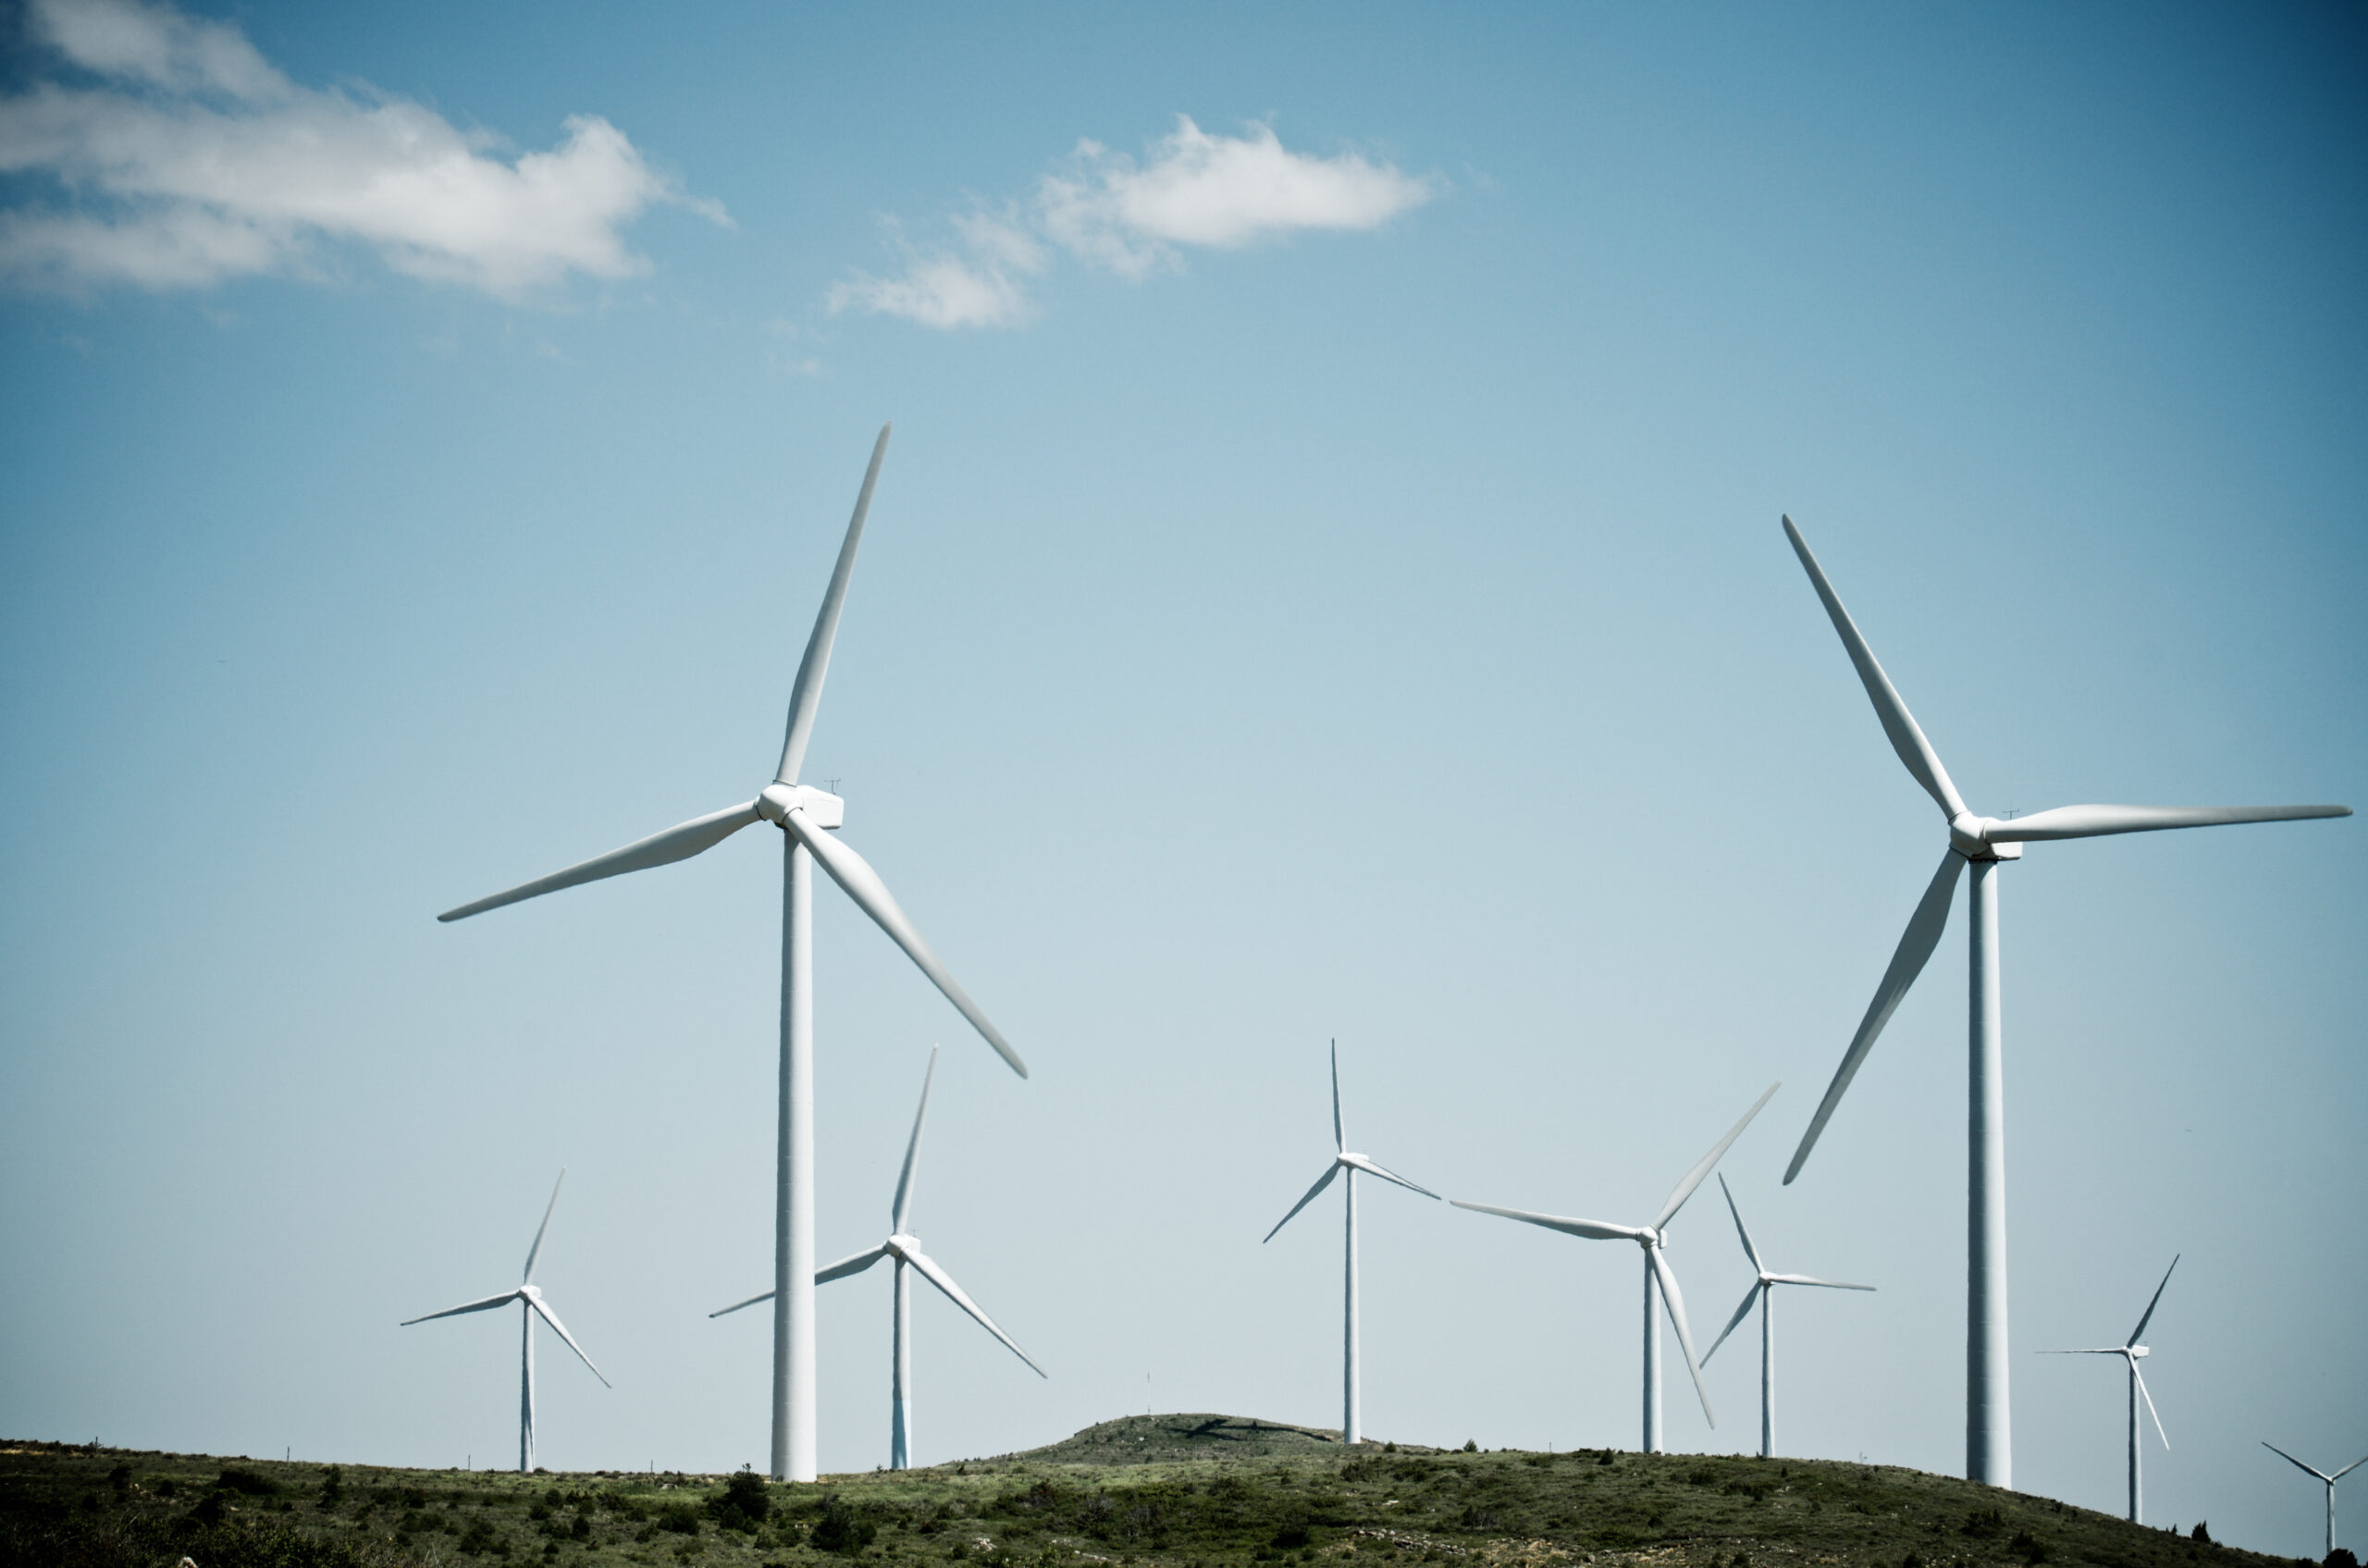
(1351, 1415)
(530, 1300)
(905, 1249)
(1657, 1271)
(1982, 842)
(2323, 1476)
(804, 814)
(1763, 1290)
(2131, 1350)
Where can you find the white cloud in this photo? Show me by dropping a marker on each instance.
(1107, 210)
(192, 160)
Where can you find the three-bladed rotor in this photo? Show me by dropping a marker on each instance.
(1343, 1158)
(1768, 1279)
(527, 1291)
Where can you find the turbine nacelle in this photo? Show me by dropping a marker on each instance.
(1970, 836)
(822, 808)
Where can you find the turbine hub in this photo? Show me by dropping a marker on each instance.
(1970, 836)
(532, 1292)
(2135, 1353)
(1649, 1240)
(821, 808)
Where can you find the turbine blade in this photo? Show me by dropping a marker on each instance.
(2094, 821)
(1373, 1167)
(1339, 1137)
(1733, 1323)
(2349, 1469)
(1592, 1229)
(1676, 1305)
(912, 1152)
(2100, 1350)
(1321, 1183)
(2142, 1394)
(536, 1250)
(487, 1304)
(1695, 1178)
(1749, 1250)
(1811, 1279)
(2311, 1468)
(679, 843)
(1907, 961)
(855, 876)
(559, 1329)
(944, 1281)
(846, 1266)
(736, 1306)
(1906, 738)
(2150, 1305)
(806, 693)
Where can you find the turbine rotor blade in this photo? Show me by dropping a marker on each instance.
(678, 843)
(736, 1306)
(1373, 1167)
(487, 1304)
(1675, 1302)
(1339, 1137)
(1749, 1250)
(944, 1281)
(1907, 961)
(1899, 724)
(2140, 1379)
(1591, 1229)
(860, 883)
(1741, 1312)
(2311, 1468)
(2095, 821)
(535, 1251)
(1321, 1183)
(912, 1151)
(1695, 1178)
(1811, 1279)
(559, 1329)
(2099, 1349)
(843, 1267)
(2136, 1333)
(2349, 1468)
(806, 693)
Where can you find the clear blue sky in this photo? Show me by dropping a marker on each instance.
(1326, 582)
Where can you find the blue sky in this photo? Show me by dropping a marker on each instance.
(1326, 582)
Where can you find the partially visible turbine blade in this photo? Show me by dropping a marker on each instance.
(1811, 1279)
(1321, 1183)
(2094, 821)
(1906, 738)
(736, 1306)
(1695, 1178)
(2350, 1468)
(1676, 1305)
(2099, 1349)
(1339, 1137)
(912, 1151)
(855, 875)
(1907, 961)
(845, 1267)
(560, 1330)
(1733, 1323)
(944, 1281)
(1373, 1167)
(486, 1305)
(535, 1251)
(1592, 1229)
(678, 843)
(806, 693)
(2142, 1394)
(2141, 1329)
(1749, 1250)
(2311, 1468)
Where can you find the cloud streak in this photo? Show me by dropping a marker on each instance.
(1134, 217)
(177, 157)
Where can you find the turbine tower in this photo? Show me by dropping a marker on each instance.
(1982, 842)
(805, 816)
(1763, 1290)
(530, 1298)
(1351, 1415)
(1656, 1270)
(2131, 1350)
(905, 1249)
(2323, 1476)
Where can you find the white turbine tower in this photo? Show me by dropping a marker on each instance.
(1351, 1415)
(1656, 1270)
(2323, 1476)
(1981, 842)
(530, 1298)
(1763, 1290)
(2131, 1350)
(803, 813)
(906, 1248)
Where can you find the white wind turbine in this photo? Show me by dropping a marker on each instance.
(1656, 1270)
(1351, 1415)
(803, 813)
(905, 1249)
(2323, 1476)
(1763, 1290)
(1981, 842)
(2131, 1350)
(530, 1298)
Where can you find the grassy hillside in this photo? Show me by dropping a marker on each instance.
(1147, 1490)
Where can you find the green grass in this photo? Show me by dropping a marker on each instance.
(1147, 1491)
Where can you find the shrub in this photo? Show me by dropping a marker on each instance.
(246, 1482)
(332, 1485)
(2027, 1547)
(1470, 1446)
(2199, 1533)
(746, 1498)
(120, 1478)
(679, 1517)
(2340, 1557)
(839, 1529)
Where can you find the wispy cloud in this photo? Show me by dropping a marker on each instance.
(1135, 218)
(177, 156)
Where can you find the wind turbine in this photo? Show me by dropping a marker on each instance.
(1656, 1270)
(905, 1249)
(804, 814)
(1763, 1290)
(1981, 842)
(2323, 1476)
(2133, 1352)
(1351, 1417)
(529, 1296)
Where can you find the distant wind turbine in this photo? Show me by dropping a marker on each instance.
(2133, 1352)
(803, 813)
(2323, 1476)
(1351, 1415)
(1656, 1270)
(529, 1297)
(905, 1249)
(1982, 841)
(1763, 1290)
